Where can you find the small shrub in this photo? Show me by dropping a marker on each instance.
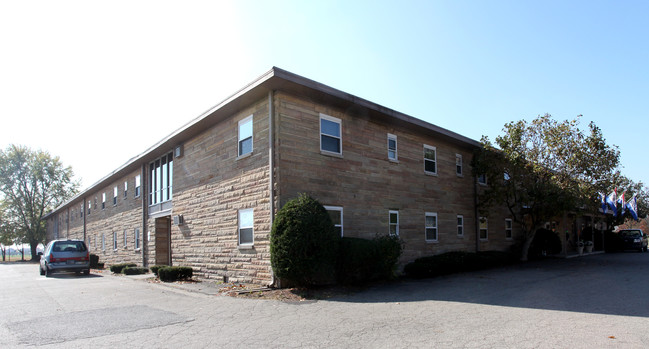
(304, 244)
(100, 265)
(117, 268)
(135, 270)
(155, 268)
(175, 273)
(94, 261)
(545, 242)
(362, 260)
(454, 262)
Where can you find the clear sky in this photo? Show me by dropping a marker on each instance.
(97, 83)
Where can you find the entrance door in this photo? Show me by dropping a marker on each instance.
(163, 241)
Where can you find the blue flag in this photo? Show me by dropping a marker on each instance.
(632, 205)
(611, 199)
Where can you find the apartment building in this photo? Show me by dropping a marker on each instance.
(205, 196)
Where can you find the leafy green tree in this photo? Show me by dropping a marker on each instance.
(542, 169)
(31, 184)
(6, 231)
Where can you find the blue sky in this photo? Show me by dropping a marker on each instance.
(97, 83)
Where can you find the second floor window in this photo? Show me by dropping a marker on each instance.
(245, 136)
(330, 135)
(137, 185)
(161, 179)
(430, 159)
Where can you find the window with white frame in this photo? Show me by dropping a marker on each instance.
(89, 206)
(336, 215)
(458, 164)
(392, 147)
(81, 211)
(137, 185)
(508, 229)
(330, 134)
(431, 226)
(103, 201)
(125, 238)
(161, 179)
(430, 159)
(393, 220)
(103, 242)
(96, 238)
(114, 195)
(115, 241)
(136, 239)
(484, 231)
(246, 227)
(125, 189)
(460, 225)
(245, 136)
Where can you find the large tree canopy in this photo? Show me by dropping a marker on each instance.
(31, 184)
(541, 169)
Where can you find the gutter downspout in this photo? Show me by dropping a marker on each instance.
(145, 213)
(271, 182)
(476, 214)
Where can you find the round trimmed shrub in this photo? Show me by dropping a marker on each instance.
(135, 270)
(303, 243)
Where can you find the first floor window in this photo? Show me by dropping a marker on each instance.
(246, 227)
(137, 239)
(430, 159)
(394, 222)
(484, 232)
(482, 179)
(115, 240)
(431, 226)
(103, 242)
(330, 134)
(508, 228)
(336, 215)
(245, 136)
(460, 225)
(125, 237)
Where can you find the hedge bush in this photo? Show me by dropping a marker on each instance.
(135, 270)
(94, 261)
(175, 273)
(544, 241)
(303, 243)
(454, 262)
(155, 268)
(117, 268)
(362, 260)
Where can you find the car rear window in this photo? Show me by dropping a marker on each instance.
(631, 233)
(69, 246)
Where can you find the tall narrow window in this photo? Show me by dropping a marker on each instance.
(114, 195)
(137, 185)
(458, 164)
(431, 226)
(330, 134)
(245, 136)
(246, 227)
(508, 229)
(115, 241)
(482, 179)
(89, 206)
(392, 147)
(394, 222)
(336, 215)
(460, 225)
(136, 239)
(161, 179)
(484, 232)
(125, 189)
(103, 242)
(430, 159)
(103, 201)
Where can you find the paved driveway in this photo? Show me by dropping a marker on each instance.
(595, 301)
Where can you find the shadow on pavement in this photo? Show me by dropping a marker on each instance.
(614, 284)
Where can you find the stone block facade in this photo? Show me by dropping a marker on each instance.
(392, 173)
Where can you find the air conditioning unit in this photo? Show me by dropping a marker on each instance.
(179, 220)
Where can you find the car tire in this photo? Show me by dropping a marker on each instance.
(40, 270)
(86, 272)
(48, 273)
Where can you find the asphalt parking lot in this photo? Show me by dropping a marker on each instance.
(594, 301)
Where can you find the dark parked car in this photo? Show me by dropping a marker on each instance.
(65, 255)
(633, 239)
